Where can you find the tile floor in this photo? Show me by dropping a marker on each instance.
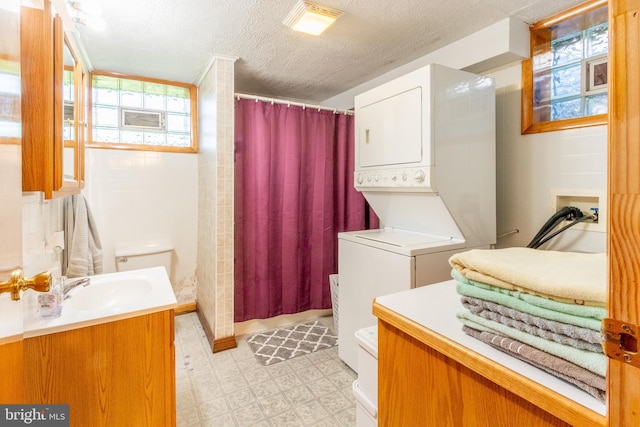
(231, 388)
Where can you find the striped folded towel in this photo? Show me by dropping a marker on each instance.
(593, 384)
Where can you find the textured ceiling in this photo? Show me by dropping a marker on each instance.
(175, 40)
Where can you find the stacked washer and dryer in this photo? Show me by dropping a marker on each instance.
(425, 162)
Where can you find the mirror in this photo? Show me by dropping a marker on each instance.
(70, 120)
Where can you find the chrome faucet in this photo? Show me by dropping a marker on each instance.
(83, 281)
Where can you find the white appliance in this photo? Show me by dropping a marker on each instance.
(365, 388)
(425, 162)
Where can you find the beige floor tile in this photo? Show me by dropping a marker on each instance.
(232, 388)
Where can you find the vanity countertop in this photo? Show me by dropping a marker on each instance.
(107, 298)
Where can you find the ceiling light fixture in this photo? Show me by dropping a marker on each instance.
(90, 8)
(87, 13)
(311, 18)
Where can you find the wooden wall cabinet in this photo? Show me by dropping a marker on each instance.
(50, 163)
(120, 373)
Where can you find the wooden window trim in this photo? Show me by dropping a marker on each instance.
(527, 124)
(193, 93)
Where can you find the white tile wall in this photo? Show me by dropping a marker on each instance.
(139, 197)
(529, 167)
(40, 218)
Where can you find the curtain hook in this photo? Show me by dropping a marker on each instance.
(271, 101)
(288, 104)
(318, 108)
(335, 111)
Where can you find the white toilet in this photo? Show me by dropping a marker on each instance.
(145, 256)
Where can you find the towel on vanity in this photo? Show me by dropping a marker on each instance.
(563, 333)
(592, 383)
(594, 362)
(586, 311)
(83, 249)
(508, 301)
(570, 277)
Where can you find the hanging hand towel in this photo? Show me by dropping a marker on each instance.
(83, 249)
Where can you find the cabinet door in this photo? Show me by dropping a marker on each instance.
(120, 373)
(70, 102)
(46, 56)
(37, 65)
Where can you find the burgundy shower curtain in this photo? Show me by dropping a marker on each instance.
(293, 194)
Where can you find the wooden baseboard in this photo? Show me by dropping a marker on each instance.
(207, 330)
(189, 307)
(217, 345)
(226, 343)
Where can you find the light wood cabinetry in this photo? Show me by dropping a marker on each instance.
(427, 379)
(45, 53)
(120, 373)
(11, 384)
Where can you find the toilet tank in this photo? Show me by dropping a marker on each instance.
(145, 256)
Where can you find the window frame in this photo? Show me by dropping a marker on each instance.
(193, 101)
(528, 126)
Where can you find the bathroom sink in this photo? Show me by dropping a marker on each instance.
(106, 294)
(108, 297)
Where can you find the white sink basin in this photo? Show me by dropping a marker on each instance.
(107, 297)
(108, 293)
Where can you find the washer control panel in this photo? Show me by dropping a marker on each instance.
(407, 179)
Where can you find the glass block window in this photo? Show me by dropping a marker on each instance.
(565, 80)
(138, 113)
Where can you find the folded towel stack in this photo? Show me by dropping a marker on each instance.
(544, 307)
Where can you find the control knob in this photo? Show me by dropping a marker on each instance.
(419, 177)
(359, 178)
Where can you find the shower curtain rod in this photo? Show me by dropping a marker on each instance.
(290, 103)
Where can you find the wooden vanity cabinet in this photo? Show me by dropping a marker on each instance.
(45, 167)
(426, 379)
(120, 373)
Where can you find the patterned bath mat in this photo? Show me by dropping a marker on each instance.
(286, 343)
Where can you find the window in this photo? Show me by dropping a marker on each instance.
(142, 114)
(68, 98)
(564, 83)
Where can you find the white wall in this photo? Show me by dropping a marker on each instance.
(530, 167)
(139, 197)
(40, 218)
